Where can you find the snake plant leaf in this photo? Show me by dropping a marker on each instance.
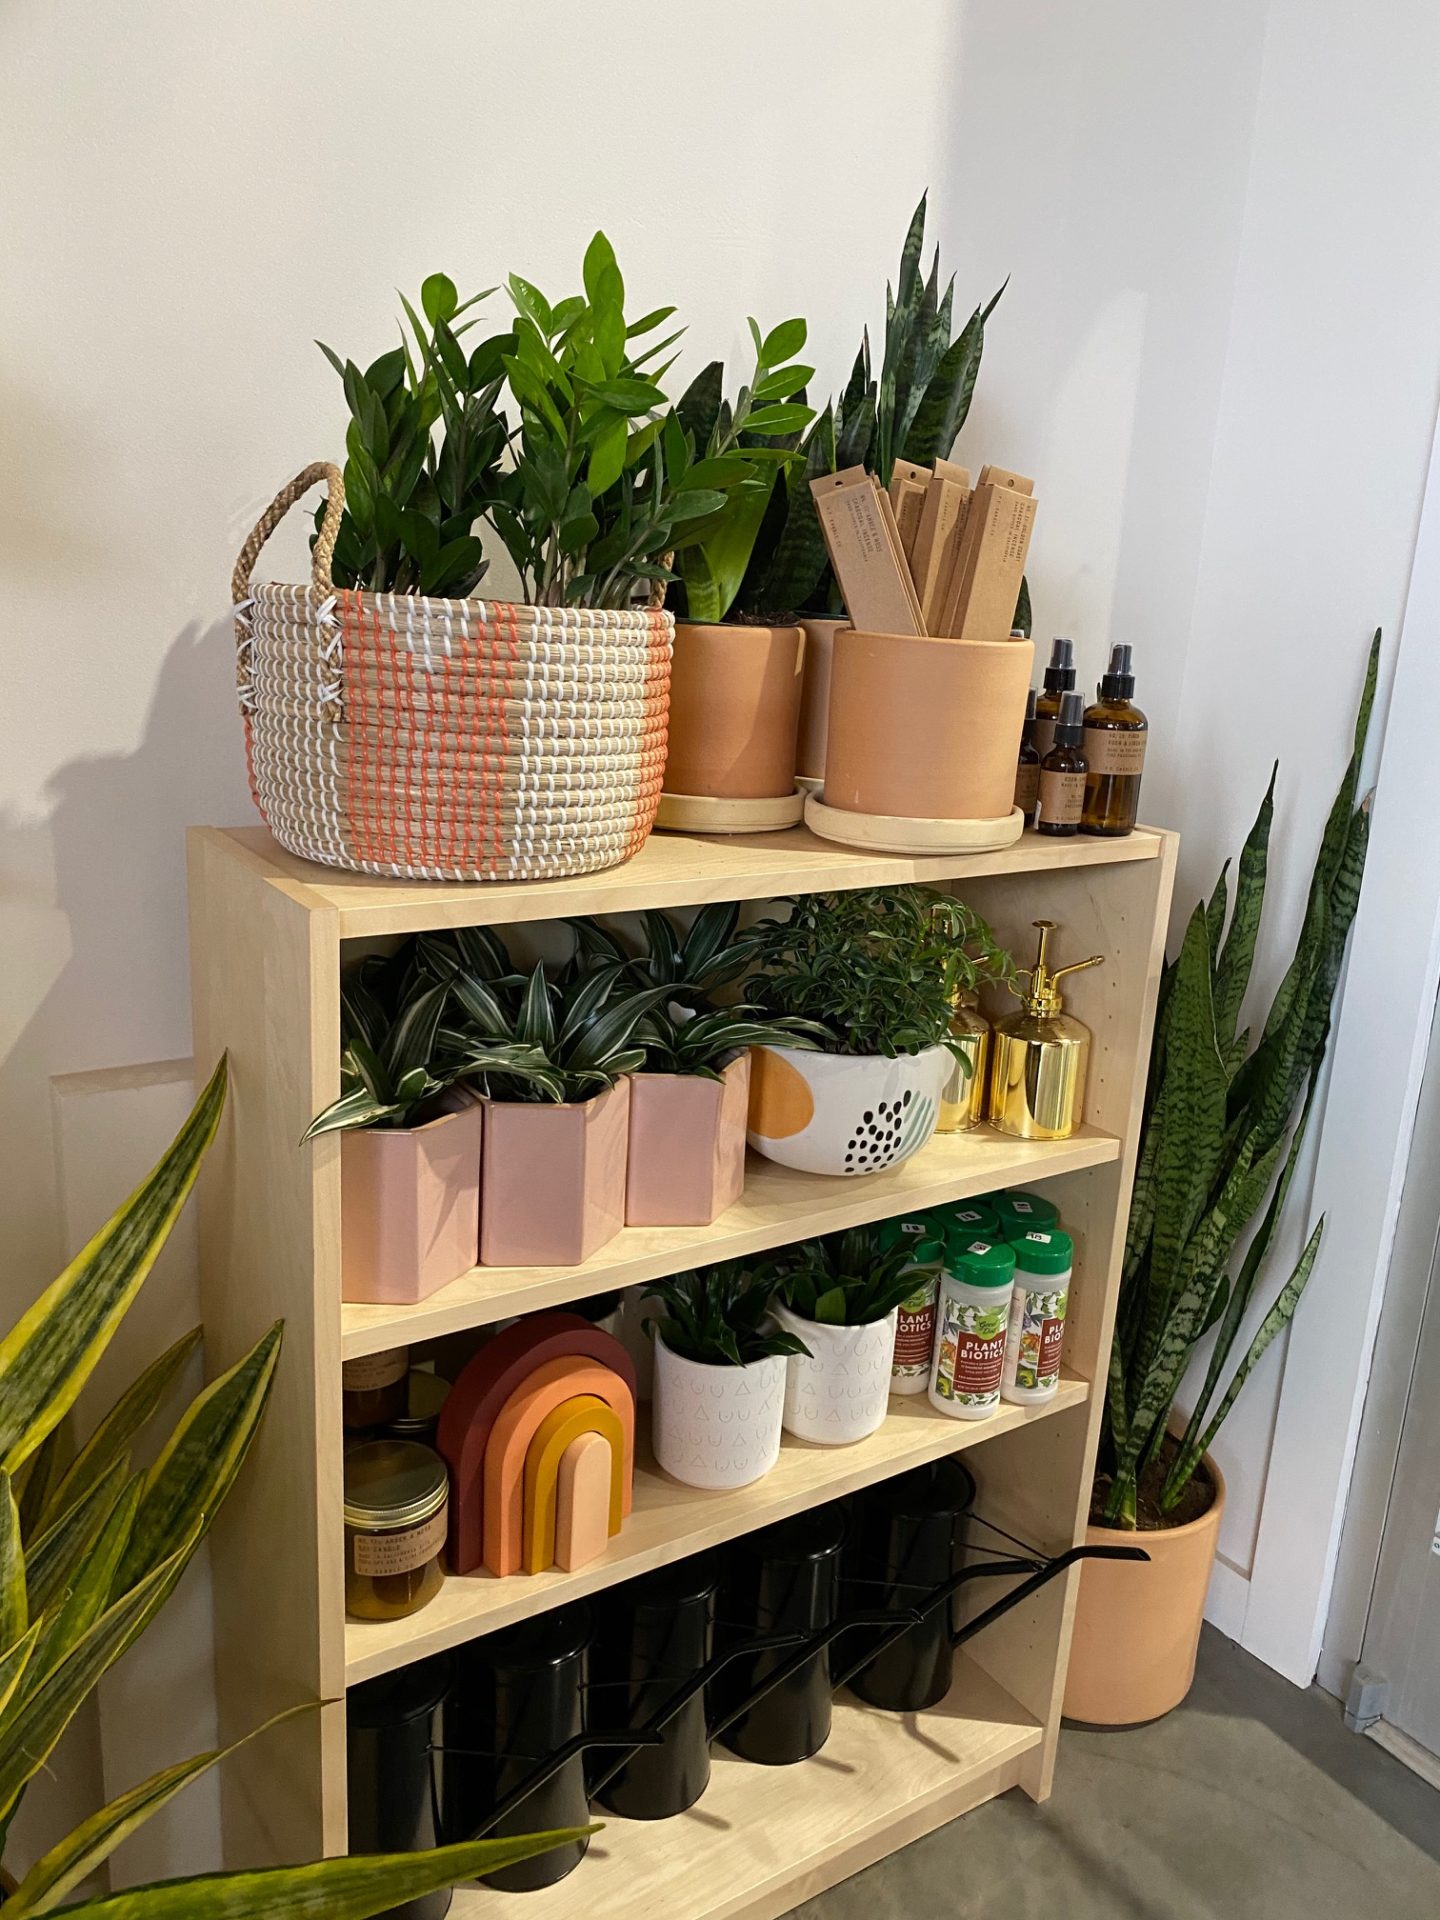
(51, 1558)
(45, 1467)
(1189, 1149)
(90, 1589)
(197, 1467)
(1215, 913)
(130, 1413)
(51, 1351)
(14, 1608)
(946, 404)
(94, 1840)
(792, 572)
(1237, 955)
(344, 1889)
(698, 408)
(31, 1726)
(14, 1663)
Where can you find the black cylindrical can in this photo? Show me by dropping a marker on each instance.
(392, 1728)
(785, 1579)
(519, 1696)
(654, 1634)
(907, 1538)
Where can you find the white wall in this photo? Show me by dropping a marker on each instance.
(189, 195)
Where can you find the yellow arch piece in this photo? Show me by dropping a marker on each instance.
(582, 1414)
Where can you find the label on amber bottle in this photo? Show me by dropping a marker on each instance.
(1062, 797)
(1115, 750)
(375, 1370)
(378, 1555)
(1043, 738)
(1027, 787)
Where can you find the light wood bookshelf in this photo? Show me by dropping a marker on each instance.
(269, 933)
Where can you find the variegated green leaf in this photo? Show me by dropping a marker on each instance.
(53, 1348)
(43, 1469)
(130, 1413)
(188, 1483)
(14, 1663)
(51, 1558)
(80, 1605)
(14, 1610)
(1232, 973)
(344, 1889)
(1215, 913)
(94, 1840)
(942, 412)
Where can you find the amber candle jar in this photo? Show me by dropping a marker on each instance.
(396, 1513)
(373, 1389)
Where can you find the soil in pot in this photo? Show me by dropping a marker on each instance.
(1195, 1501)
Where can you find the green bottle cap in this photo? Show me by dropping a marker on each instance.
(981, 1263)
(928, 1253)
(1020, 1211)
(970, 1216)
(1043, 1250)
(906, 1231)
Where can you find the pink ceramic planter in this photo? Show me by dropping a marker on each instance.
(409, 1208)
(687, 1146)
(554, 1183)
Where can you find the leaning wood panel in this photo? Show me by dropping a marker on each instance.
(265, 989)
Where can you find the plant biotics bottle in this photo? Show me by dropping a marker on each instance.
(915, 1328)
(1027, 768)
(1115, 735)
(1062, 772)
(974, 1317)
(1059, 679)
(1036, 1336)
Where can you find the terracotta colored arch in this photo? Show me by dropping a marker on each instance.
(540, 1393)
(582, 1502)
(475, 1401)
(584, 1414)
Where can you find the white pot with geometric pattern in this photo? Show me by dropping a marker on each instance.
(716, 1426)
(840, 1390)
(844, 1113)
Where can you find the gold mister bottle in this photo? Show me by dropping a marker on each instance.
(962, 1103)
(1040, 1055)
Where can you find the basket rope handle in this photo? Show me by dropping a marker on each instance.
(325, 540)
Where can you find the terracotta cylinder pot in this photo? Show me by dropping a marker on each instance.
(927, 729)
(734, 710)
(815, 695)
(687, 1146)
(554, 1179)
(1137, 1627)
(409, 1208)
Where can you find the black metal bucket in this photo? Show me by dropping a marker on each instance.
(392, 1728)
(907, 1537)
(653, 1634)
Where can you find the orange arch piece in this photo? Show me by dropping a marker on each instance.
(781, 1103)
(502, 1504)
(553, 1436)
(582, 1501)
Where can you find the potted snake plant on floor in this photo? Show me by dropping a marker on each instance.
(1225, 1121)
(92, 1547)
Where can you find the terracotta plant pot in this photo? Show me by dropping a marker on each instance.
(687, 1146)
(409, 1207)
(1137, 1627)
(717, 1426)
(844, 1113)
(840, 1390)
(734, 710)
(815, 696)
(925, 729)
(554, 1187)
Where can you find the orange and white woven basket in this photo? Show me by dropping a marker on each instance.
(446, 739)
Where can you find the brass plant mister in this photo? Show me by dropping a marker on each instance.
(1040, 1055)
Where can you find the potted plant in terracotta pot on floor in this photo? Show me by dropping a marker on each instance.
(1223, 1129)
(840, 1295)
(877, 969)
(719, 1377)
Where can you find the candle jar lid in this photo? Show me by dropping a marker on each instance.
(425, 1397)
(393, 1483)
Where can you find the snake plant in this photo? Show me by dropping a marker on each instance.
(92, 1547)
(1225, 1119)
(844, 1279)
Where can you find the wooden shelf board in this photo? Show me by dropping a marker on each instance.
(670, 1521)
(760, 1839)
(670, 870)
(777, 1206)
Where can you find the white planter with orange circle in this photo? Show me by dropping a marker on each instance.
(843, 1113)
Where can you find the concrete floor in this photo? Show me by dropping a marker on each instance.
(1251, 1799)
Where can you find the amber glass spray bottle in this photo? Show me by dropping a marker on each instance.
(1059, 679)
(1027, 770)
(1062, 772)
(1115, 736)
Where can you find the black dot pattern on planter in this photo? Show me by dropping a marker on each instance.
(878, 1137)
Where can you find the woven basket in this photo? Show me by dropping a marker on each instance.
(446, 739)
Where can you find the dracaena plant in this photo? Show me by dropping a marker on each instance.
(605, 477)
(842, 1279)
(876, 969)
(91, 1547)
(720, 1317)
(413, 499)
(694, 962)
(745, 446)
(1225, 1119)
(913, 409)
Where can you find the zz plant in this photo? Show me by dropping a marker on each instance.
(719, 1317)
(844, 1279)
(1225, 1121)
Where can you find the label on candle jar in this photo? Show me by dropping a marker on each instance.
(1062, 797)
(1115, 750)
(378, 1555)
(372, 1371)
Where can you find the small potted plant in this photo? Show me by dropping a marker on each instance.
(735, 677)
(410, 1156)
(840, 1295)
(719, 1377)
(877, 969)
